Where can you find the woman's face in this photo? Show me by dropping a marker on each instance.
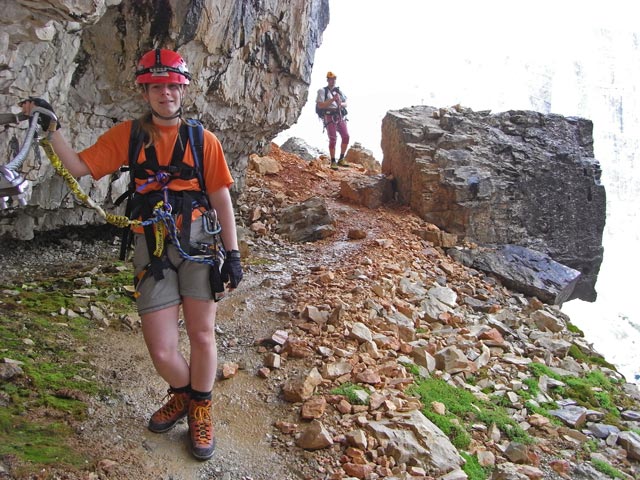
(164, 98)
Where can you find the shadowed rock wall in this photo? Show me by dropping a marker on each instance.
(518, 177)
(251, 63)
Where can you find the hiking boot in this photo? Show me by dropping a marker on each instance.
(203, 440)
(168, 415)
(334, 165)
(343, 163)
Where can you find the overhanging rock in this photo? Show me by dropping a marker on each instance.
(251, 64)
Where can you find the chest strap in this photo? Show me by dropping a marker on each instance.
(177, 168)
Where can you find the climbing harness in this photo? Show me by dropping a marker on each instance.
(145, 204)
(336, 115)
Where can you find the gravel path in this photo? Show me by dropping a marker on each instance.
(245, 406)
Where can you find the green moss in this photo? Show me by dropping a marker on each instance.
(463, 409)
(39, 443)
(574, 329)
(451, 427)
(590, 445)
(575, 352)
(253, 260)
(595, 390)
(348, 390)
(607, 469)
(473, 469)
(58, 378)
(538, 370)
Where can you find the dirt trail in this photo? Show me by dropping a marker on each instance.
(245, 406)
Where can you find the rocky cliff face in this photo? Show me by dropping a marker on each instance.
(251, 63)
(517, 177)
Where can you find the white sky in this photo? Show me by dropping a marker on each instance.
(581, 56)
(390, 55)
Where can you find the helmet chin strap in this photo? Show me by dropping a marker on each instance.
(171, 117)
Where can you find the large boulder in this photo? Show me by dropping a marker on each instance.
(251, 63)
(517, 177)
(523, 270)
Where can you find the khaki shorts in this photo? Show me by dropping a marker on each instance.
(186, 279)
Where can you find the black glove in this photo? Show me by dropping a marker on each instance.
(232, 269)
(43, 119)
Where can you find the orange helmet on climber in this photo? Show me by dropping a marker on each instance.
(162, 66)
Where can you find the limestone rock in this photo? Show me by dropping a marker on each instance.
(361, 332)
(412, 437)
(572, 415)
(546, 321)
(251, 65)
(9, 370)
(301, 388)
(517, 177)
(359, 155)
(299, 147)
(313, 407)
(371, 191)
(630, 441)
(306, 222)
(315, 437)
(264, 165)
(524, 270)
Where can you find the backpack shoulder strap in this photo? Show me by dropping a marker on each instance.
(196, 142)
(136, 139)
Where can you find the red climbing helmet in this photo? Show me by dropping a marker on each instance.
(162, 66)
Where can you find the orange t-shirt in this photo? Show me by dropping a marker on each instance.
(111, 151)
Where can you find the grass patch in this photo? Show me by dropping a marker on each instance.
(594, 390)
(574, 329)
(350, 391)
(607, 469)
(579, 355)
(473, 469)
(462, 410)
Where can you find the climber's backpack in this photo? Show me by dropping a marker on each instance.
(321, 111)
(191, 131)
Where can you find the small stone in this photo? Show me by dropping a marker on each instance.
(286, 427)
(368, 376)
(272, 360)
(229, 370)
(357, 471)
(438, 408)
(486, 458)
(517, 452)
(313, 408)
(280, 337)
(357, 438)
(315, 437)
(356, 234)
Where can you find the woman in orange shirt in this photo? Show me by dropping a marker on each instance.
(174, 280)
